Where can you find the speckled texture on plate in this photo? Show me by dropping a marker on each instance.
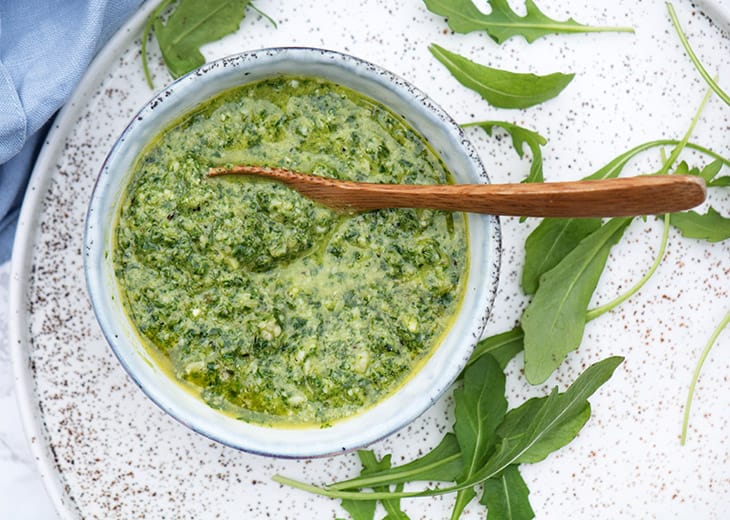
(107, 452)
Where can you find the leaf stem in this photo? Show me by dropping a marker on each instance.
(681, 145)
(692, 56)
(363, 495)
(708, 152)
(602, 309)
(264, 15)
(370, 481)
(146, 34)
(685, 139)
(696, 374)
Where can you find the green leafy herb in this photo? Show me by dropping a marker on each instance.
(193, 24)
(548, 439)
(190, 25)
(602, 309)
(549, 243)
(681, 145)
(554, 238)
(360, 509)
(503, 23)
(719, 182)
(527, 434)
(520, 137)
(502, 88)
(554, 321)
(479, 408)
(502, 347)
(507, 496)
(542, 425)
(148, 26)
(444, 463)
(371, 464)
(709, 173)
(710, 226)
(365, 509)
(683, 169)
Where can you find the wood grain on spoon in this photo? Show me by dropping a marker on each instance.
(632, 196)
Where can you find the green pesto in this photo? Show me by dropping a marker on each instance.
(269, 306)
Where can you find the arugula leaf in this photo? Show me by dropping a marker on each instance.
(546, 424)
(360, 509)
(711, 170)
(463, 497)
(683, 169)
(520, 419)
(554, 321)
(442, 464)
(667, 164)
(507, 496)
(400, 515)
(719, 182)
(554, 238)
(193, 24)
(549, 243)
(365, 509)
(502, 347)
(709, 173)
(503, 23)
(542, 425)
(711, 226)
(479, 408)
(371, 465)
(190, 25)
(520, 137)
(502, 88)
(615, 166)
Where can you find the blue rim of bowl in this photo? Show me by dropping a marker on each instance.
(403, 88)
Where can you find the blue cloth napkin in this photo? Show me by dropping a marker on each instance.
(45, 47)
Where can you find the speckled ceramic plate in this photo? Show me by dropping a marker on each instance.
(106, 451)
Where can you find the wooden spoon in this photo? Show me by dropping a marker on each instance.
(644, 195)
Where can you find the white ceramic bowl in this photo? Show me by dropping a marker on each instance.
(423, 389)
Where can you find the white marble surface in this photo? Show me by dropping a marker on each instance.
(22, 495)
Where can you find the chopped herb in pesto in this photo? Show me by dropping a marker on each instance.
(273, 308)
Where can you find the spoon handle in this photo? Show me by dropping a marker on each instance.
(632, 196)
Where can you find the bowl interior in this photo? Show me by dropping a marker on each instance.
(425, 387)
